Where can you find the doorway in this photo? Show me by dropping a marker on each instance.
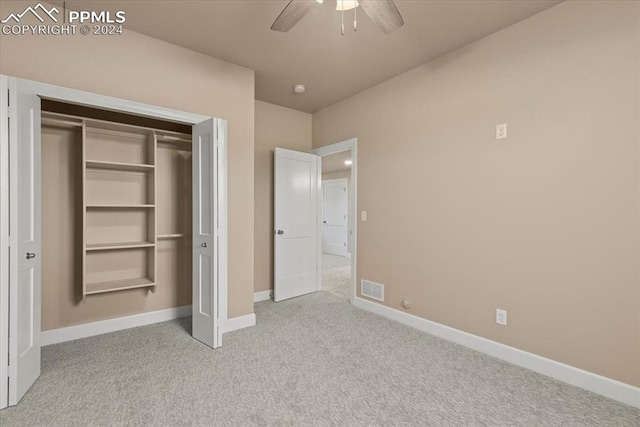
(338, 226)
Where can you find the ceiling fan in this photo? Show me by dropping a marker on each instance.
(383, 13)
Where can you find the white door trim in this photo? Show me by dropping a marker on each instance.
(338, 147)
(74, 96)
(223, 249)
(4, 243)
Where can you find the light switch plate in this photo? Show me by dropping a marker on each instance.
(501, 131)
(363, 216)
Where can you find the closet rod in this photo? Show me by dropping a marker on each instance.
(56, 121)
(171, 138)
(172, 236)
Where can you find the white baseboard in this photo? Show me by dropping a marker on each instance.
(595, 383)
(262, 296)
(85, 330)
(239, 322)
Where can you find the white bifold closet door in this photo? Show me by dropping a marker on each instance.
(206, 227)
(25, 255)
(296, 217)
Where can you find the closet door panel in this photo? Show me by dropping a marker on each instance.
(205, 272)
(25, 255)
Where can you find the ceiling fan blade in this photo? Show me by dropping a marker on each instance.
(291, 14)
(383, 13)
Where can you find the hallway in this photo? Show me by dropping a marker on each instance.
(336, 275)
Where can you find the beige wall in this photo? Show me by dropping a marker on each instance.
(275, 127)
(139, 68)
(544, 223)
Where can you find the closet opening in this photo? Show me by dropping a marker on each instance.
(116, 214)
(118, 219)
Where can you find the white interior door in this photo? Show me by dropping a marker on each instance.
(205, 323)
(297, 248)
(25, 258)
(335, 207)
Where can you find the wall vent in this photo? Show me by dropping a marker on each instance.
(372, 290)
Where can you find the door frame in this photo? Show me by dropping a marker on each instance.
(339, 147)
(345, 181)
(74, 96)
(4, 244)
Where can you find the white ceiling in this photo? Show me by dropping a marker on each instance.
(314, 53)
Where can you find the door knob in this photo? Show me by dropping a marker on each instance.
(204, 245)
(280, 232)
(30, 255)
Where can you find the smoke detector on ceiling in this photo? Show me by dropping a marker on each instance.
(299, 88)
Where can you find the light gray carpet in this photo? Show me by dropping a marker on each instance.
(336, 275)
(313, 360)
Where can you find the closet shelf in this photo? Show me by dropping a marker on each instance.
(118, 285)
(117, 166)
(114, 206)
(123, 245)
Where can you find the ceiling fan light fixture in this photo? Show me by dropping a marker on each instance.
(342, 5)
(384, 13)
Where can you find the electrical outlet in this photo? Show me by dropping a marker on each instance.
(501, 317)
(363, 216)
(501, 131)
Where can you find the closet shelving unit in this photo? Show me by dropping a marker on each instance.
(119, 212)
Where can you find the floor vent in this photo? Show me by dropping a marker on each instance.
(372, 290)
